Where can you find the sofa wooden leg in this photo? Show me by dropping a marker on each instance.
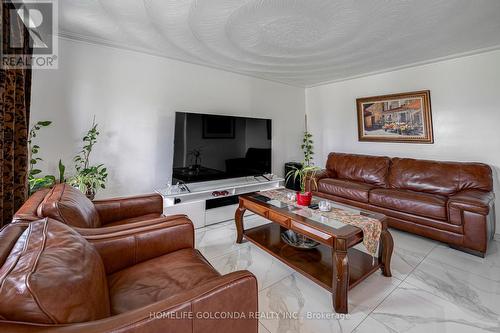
(469, 251)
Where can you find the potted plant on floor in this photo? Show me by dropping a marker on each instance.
(307, 170)
(35, 181)
(89, 178)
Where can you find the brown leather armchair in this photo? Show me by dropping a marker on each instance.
(70, 206)
(140, 279)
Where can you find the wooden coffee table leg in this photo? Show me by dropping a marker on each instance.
(386, 247)
(340, 276)
(238, 219)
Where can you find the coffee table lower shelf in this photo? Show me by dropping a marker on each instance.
(315, 264)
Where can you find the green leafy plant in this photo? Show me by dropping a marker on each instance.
(34, 180)
(62, 169)
(307, 170)
(88, 178)
(36, 183)
(307, 148)
(82, 159)
(302, 174)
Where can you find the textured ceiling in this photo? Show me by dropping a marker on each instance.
(302, 43)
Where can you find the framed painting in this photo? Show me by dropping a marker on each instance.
(404, 117)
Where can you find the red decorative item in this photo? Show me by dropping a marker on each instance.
(304, 199)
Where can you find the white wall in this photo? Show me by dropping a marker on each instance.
(134, 97)
(465, 97)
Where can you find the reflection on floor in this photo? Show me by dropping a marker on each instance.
(433, 288)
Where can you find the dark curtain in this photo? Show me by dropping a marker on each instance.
(15, 92)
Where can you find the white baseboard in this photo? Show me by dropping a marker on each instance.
(496, 237)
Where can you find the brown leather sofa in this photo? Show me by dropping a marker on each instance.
(70, 206)
(140, 279)
(451, 202)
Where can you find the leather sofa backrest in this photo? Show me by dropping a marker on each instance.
(52, 275)
(70, 206)
(443, 178)
(362, 168)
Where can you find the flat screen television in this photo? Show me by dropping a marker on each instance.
(211, 147)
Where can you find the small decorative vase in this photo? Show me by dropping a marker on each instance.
(90, 194)
(304, 199)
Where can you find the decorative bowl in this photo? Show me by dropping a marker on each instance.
(298, 241)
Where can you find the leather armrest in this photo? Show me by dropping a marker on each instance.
(476, 201)
(116, 209)
(125, 246)
(231, 294)
(312, 181)
(20, 218)
(28, 211)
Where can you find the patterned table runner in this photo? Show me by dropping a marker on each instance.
(371, 227)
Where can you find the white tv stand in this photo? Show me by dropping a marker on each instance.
(198, 201)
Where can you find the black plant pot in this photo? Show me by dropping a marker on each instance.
(90, 194)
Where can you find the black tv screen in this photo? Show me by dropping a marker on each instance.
(211, 147)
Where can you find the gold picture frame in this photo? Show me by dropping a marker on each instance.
(403, 117)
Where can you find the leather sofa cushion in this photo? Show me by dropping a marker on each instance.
(70, 206)
(345, 189)
(443, 178)
(134, 219)
(362, 168)
(157, 279)
(422, 204)
(53, 276)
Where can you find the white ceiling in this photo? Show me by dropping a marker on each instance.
(299, 42)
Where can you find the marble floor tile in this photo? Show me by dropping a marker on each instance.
(418, 246)
(370, 325)
(249, 222)
(444, 290)
(409, 251)
(488, 267)
(412, 309)
(404, 261)
(477, 295)
(225, 224)
(311, 306)
(262, 329)
(253, 221)
(267, 269)
(214, 242)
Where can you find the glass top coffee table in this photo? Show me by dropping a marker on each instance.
(334, 264)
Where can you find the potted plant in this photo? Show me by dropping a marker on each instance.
(89, 178)
(307, 170)
(35, 181)
(303, 173)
